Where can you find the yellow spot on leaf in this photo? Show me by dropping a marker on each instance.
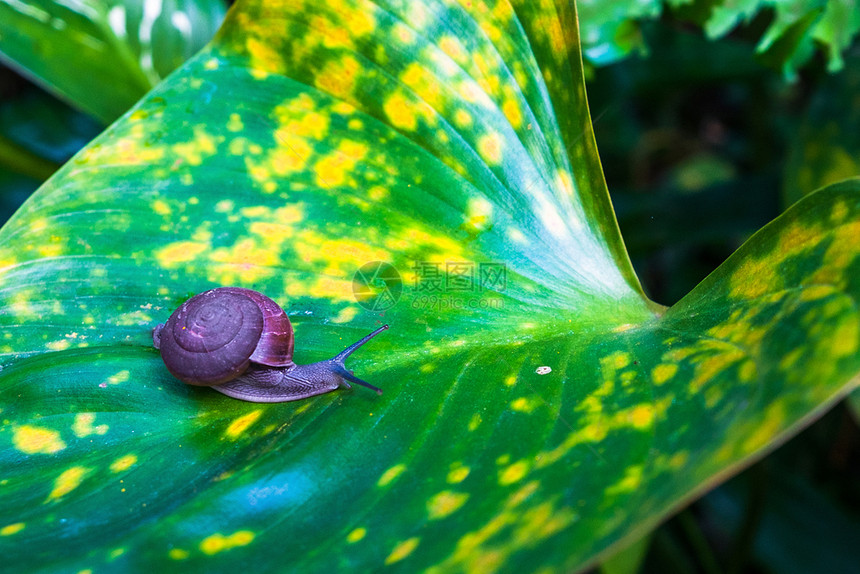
(522, 494)
(747, 371)
(458, 474)
(474, 422)
(642, 416)
(629, 482)
(774, 422)
(453, 48)
(403, 33)
(616, 360)
(160, 207)
(663, 372)
(710, 366)
(543, 521)
(178, 554)
(514, 473)
(516, 236)
(490, 148)
(180, 252)
(479, 213)
(403, 550)
(445, 503)
(219, 543)
(679, 460)
(753, 278)
(423, 84)
(345, 315)
(37, 440)
(246, 260)
(377, 193)
(193, 152)
(83, 425)
(356, 535)
(401, 112)
(60, 345)
(840, 210)
(334, 289)
(845, 337)
(69, 480)
(241, 424)
(332, 169)
(342, 256)
(116, 553)
(119, 377)
(235, 123)
(11, 529)
(273, 234)
(338, 77)
(790, 359)
(263, 56)
(511, 109)
(38, 225)
(123, 463)
(564, 181)
(389, 475)
(470, 91)
(360, 21)
(462, 119)
(523, 405)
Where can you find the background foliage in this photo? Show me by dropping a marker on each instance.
(677, 138)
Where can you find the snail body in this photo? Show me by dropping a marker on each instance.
(240, 343)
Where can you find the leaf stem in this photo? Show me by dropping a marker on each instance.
(707, 559)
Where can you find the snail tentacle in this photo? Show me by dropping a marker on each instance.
(273, 385)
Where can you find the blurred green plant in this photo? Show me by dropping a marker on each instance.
(789, 31)
(103, 55)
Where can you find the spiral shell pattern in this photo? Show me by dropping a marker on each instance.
(211, 337)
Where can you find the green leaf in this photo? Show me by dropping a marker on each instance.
(306, 141)
(103, 55)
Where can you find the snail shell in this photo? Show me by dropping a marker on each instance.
(240, 342)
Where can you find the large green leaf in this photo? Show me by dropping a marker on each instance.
(307, 140)
(103, 55)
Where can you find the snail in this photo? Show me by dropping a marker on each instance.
(240, 343)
